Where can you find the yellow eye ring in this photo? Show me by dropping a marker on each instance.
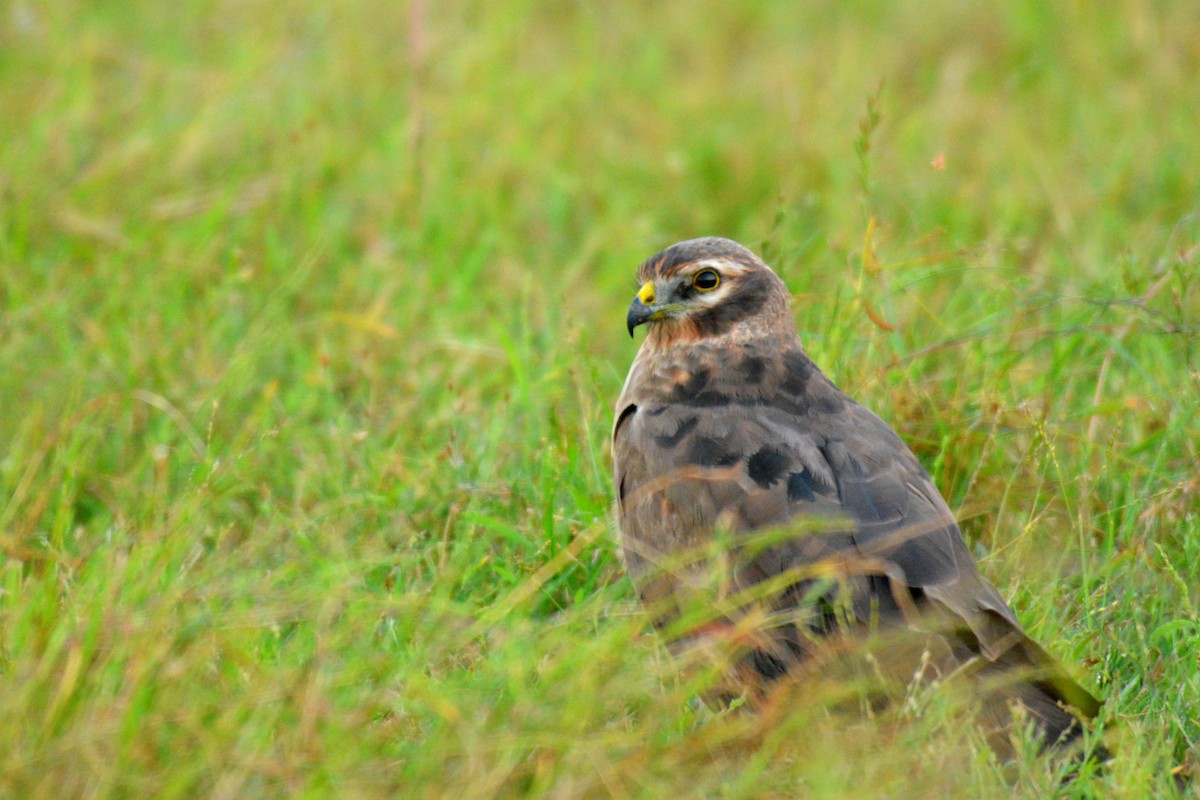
(706, 280)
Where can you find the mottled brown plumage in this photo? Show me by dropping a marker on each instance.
(725, 424)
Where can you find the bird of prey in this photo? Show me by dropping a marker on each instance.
(726, 430)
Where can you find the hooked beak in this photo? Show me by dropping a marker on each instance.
(642, 307)
(639, 312)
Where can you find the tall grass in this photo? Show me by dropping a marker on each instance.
(313, 319)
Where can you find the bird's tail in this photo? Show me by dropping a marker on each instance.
(1026, 676)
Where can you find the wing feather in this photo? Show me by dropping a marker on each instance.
(754, 458)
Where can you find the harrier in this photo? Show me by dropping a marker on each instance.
(727, 431)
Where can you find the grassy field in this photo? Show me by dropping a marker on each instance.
(313, 319)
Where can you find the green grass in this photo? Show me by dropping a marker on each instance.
(313, 316)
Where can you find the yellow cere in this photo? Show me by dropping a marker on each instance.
(646, 293)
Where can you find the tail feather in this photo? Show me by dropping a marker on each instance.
(1025, 675)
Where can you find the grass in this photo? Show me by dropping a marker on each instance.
(313, 320)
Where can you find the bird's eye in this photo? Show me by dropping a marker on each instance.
(706, 280)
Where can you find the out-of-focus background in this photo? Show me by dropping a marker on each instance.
(313, 319)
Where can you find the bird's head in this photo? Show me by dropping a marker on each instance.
(705, 288)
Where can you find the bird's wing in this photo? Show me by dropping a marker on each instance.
(903, 519)
(745, 457)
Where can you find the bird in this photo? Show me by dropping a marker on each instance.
(727, 435)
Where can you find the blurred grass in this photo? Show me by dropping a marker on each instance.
(312, 320)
